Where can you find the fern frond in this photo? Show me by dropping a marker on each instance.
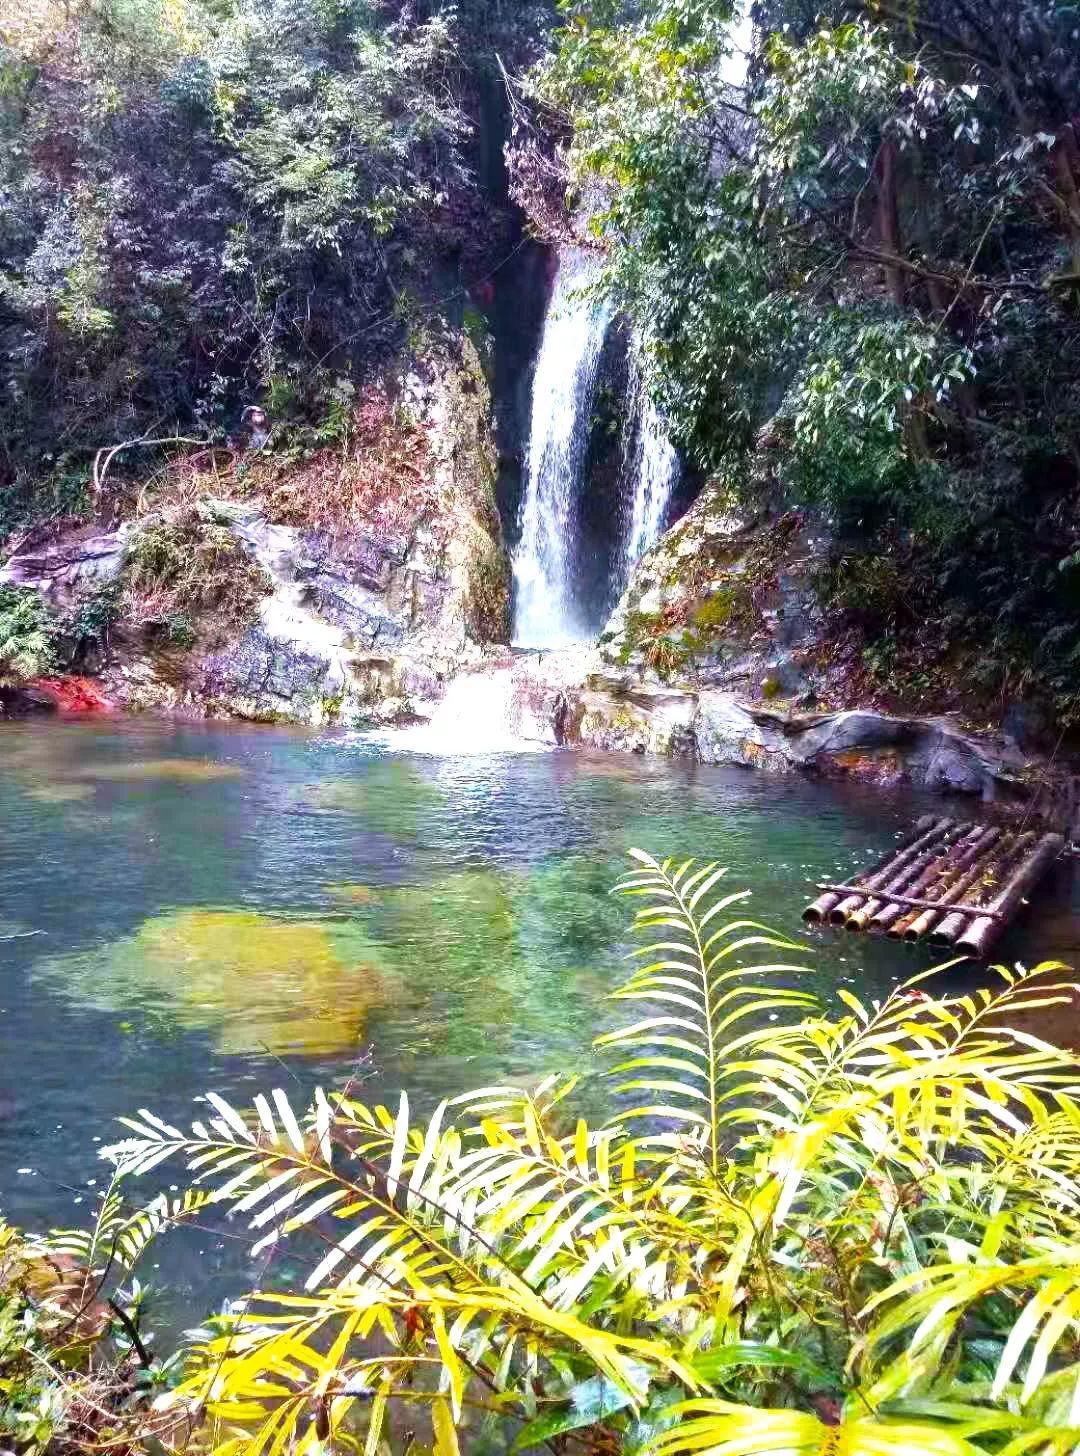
(873, 1217)
(700, 994)
(718, 1426)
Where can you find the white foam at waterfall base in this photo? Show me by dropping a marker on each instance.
(475, 717)
(563, 390)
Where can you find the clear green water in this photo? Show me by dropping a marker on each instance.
(241, 908)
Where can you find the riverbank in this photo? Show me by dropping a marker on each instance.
(568, 699)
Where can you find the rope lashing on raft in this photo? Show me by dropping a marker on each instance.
(956, 884)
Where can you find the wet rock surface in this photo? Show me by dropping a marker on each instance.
(571, 697)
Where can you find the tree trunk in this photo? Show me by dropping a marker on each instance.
(889, 218)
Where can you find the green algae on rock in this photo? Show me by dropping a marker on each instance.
(253, 982)
(176, 770)
(60, 793)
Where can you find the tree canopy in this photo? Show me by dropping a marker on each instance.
(872, 246)
(208, 202)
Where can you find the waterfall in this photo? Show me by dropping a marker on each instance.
(563, 390)
(652, 463)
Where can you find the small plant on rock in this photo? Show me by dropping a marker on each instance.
(183, 571)
(27, 648)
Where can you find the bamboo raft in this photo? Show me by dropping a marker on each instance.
(951, 883)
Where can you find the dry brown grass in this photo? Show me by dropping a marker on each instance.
(378, 477)
(182, 567)
(375, 476)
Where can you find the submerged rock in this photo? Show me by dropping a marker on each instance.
(253, 982)
(174, 770)
(390, 796)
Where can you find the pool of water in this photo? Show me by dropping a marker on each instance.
(186, 908)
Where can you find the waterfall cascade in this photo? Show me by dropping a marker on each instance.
(563, 390)
(548, 576)
(653, 465)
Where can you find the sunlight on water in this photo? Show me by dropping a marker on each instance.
(473, 718)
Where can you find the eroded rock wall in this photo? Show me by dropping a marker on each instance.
(361, 624)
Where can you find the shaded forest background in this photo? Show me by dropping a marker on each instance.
(858, 273)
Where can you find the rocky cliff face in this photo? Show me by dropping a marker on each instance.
(721, 652)
(360, 620)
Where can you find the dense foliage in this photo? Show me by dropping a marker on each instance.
(75, 1373)
(26, 640)
(206, 205)
(873, 246)
(804, 1234)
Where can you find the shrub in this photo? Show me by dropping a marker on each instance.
(182, 569)
(815, 1234)
(370, 469)
(95, 616)
(75, 1374)
(26, 642)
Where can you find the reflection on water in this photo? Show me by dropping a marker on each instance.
(231, 908)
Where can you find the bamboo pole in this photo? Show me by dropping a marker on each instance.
(1011, 852)
(895, 918)
(840, 912)
(916, 903)
(982, 933)
(817, 912)
(900, 878)
(893, 910)
(969, 870)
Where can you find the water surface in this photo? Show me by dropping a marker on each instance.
(239, 908)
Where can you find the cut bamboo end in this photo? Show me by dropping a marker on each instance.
(838, 915)
(818, 912)
(915, 849)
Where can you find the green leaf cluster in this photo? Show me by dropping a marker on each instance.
(27, 647)
(203, 198)
(865, 254)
